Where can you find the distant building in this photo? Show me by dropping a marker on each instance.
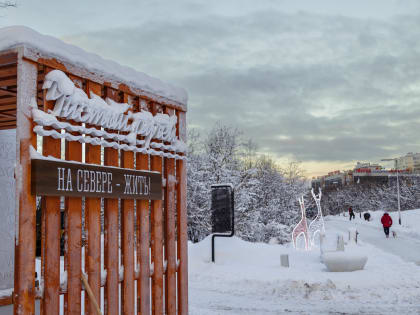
(410, 162)
(363, 173)
(335, 179)
(368, 167)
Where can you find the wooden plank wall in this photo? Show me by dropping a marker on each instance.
(148, 241)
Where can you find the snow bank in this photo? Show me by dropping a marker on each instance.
(38, 45)
(247, 278)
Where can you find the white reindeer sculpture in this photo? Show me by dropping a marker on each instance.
(302, 227)
(317, 225)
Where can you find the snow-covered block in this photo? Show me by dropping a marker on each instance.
(344, 261)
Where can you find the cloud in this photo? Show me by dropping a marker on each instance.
(316, 87)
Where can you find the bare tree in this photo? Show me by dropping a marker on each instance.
(294, 172)
(7, 4)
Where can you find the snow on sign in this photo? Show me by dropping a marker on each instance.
(53, 178)
(72, 103)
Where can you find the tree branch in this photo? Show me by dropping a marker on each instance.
(7, 4)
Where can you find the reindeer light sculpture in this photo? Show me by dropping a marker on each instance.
(317, 225)
(302, 227)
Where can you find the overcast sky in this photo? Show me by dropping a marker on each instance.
(325, 82)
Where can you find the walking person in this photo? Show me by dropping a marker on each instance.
(386, 221)
(351, 213)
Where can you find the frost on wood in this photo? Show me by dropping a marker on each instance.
(7, 206)
(74, 104)
(41, 46)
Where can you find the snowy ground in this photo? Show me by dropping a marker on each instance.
(247, 277)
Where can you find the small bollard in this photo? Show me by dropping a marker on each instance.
(340, 243)
(284, 260)
(321, 242)
(353, 235)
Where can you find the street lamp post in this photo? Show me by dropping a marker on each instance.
(398, 187)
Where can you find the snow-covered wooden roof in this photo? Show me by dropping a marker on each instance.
(36, 46)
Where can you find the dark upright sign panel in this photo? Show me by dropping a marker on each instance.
(56, 178)
(222, 208)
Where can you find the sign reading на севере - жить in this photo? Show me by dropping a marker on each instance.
(56, 178)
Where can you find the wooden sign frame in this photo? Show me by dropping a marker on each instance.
(56, 178)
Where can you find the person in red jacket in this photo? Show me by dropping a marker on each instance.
(351, 213)
(386, 221)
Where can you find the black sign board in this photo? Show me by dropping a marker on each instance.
(56, 178)
(222, 205)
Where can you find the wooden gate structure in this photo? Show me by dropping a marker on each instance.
(56, 96)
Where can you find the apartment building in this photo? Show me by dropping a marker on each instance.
(361, 173)
(410, 162)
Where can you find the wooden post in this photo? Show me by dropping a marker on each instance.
(170, 241)
(181, 174)
(52, 219)
(127, 218)
(93, 224)
(157, 247)
(73, 259)
(143, 244)
(111, 254)
(24, 288)
(157, 241)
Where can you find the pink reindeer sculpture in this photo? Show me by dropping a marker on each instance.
(302, 227)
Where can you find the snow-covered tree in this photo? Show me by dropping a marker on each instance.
(265, 193)
(372, 197)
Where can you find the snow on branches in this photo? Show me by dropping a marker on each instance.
(265, 194)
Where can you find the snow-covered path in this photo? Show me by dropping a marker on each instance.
(405, 245)
(247, 277)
